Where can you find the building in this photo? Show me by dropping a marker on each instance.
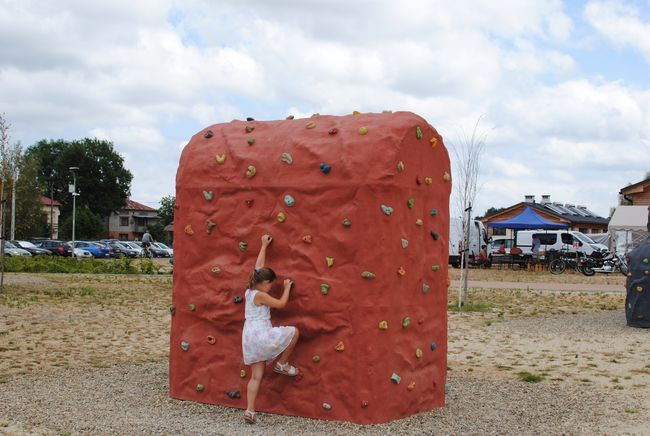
(130, 222)
(637, 194)
(577, 217)
(52, 210)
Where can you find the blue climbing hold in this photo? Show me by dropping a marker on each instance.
(387, 210)
(325, 168)
(289, 200)
(433, 346)
(434, 212)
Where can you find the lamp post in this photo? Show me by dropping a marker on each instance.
(73, 191)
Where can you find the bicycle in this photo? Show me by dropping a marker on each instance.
(146, 252)
(566, 259)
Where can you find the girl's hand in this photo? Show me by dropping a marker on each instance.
(266, 240)
(288, 283)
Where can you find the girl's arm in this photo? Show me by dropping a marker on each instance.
(261, 258)
(262, 298)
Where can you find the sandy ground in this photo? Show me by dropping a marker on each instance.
(75, 332)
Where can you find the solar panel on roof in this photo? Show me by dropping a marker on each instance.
(553, 208)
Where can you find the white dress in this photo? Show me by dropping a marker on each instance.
(260, 341)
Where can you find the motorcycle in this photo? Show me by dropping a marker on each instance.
(604, 263)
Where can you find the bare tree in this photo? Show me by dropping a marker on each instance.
(468, 153)
(4, 147)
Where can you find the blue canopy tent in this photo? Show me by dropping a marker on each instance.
(528, 219)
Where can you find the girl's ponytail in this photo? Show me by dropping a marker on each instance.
(259, 275)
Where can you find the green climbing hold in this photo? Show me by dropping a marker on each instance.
(435, 267)
(639, 288)
(324, 288)
(646, 260)
(185, 346)
(208, 195)
(405, 243)
(251, 141)
(286, 158)
(199, 388)
(425, 288)
(418, 132)
(192, 307)
(410, 203)
(363, 130)
(249, 129)
(406, 322)
(330, 261)
(434, 212)
(243, 246)
(395, 378)
(368, 275)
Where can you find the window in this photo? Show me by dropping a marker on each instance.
(499, 232)
(584, 230)
(567, 239)
(124, 237)
(124, 221)
(546, 238)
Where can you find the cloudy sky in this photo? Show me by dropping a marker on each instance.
(562, 88)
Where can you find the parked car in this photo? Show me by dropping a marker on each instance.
(121, 249)
(57, 248)
(11, 250)
(97, 249)
(557, 240)
(134, 246)
(160, 245)
(33, 249)
(80, 252)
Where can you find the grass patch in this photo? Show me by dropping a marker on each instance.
(470, 307)
(529, 377)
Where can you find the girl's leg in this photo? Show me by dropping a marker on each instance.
(287, 351)
(257, 371)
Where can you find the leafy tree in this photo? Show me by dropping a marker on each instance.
(87, 226)
(491, 211)
(102, 180)
(30, 219)
(166, 210)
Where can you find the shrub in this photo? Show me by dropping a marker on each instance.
(57, 264)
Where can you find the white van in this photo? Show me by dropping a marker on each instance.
(477, 238)
(567, 240)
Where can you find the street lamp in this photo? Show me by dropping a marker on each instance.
(73, 190)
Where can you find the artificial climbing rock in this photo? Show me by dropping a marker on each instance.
(327, 406)
(380, 167)
(188, 229)
(211, 340)
(199, 387)
(446, 177)
(435, 235)
(419, 222)
(192, 307)
(310, 125)
(249, 129)
(425, 288)
(401, 271)
(242, 373)
(428, 180)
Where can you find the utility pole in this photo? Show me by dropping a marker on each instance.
(13, 205)
(73, 191)
(52, 210)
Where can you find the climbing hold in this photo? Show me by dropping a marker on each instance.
(428, 180)
(346, 222)
(433, 346)
(406, 322)
(211, 340)
(434, 142)
(199, 388)
(249, 203)
(289, 200)
(387, 210)
(411, 386)
(645, 260)
(383, 325)
(405, 243)
(290, 117)
(418, 180)
(251, 171)
(172, 310)
(418, 132)
(639, 288)
(340, 346)
(233, 394)
(363, 130)
(243, 246)
(400, 166)
(281, 217)
(310, 126)
(286, 158)
(419, 222)
(325, 168)
(401, 271)
(324, 289)
(192, 307)
(188, 229)
(435, 235)
(185, 346)
(220, 158)
(238, 299)
(250, 119)
(307, 239)
(368, 275)
(210, 225)
(251, 141)
(333, 131)
(242, 373)
(208, 134)
(364, 404)
(435, 267)
(330, 261)
(425, 288)
(249, 129)
(418, 353)
(410, 203)
(446, 177)
(315, 358)
(434, 212)
(356, 113)
(327, 406)
(396, 378)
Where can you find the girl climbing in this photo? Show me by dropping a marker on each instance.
(261, 342)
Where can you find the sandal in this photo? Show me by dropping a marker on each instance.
(249, 417)
(286, 369)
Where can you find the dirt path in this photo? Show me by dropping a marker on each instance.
(569, 287)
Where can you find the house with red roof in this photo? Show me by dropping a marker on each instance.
(52, 209)
(130, 222)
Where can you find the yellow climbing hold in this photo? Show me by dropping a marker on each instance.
(363, 130)
(419, 222)
(251, 171)
(446, 177)
(281, 217)
(220, 158)
(188, 229)
(418, 353)
(428, 180)
(356, 113)
(310, 126)
(242, 373)
(400, 166)
(330, 261)
(383, 325)
(434, 142)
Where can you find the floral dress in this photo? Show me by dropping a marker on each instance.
(260, 340)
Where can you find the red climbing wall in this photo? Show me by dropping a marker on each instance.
(394, 160)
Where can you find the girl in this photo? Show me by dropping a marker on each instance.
(261, 341)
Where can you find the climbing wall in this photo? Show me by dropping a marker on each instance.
(637, 303)
(358, 209)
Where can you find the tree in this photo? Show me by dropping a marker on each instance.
(468, 163)
(491, 211)
(88, 225)
(102, 180)
(30, 219)
(166, 210)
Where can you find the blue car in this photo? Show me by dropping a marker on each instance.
(95, 248)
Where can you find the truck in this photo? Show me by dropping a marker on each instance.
(477, 238)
